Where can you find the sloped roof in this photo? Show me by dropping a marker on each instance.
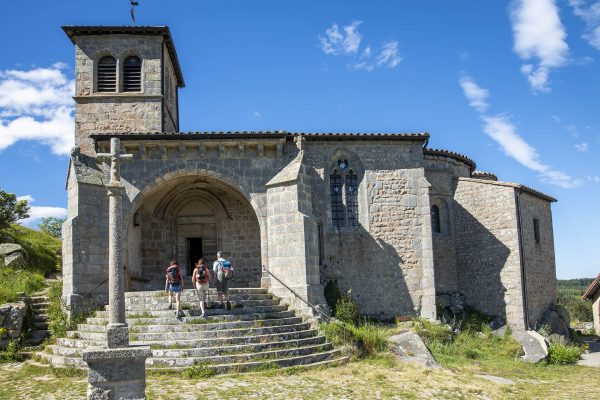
(456, 156)
(592, 289)
(78, 30)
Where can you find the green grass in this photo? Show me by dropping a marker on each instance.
(41, 251)
(59, 323)
(365, 340)
(41, 248)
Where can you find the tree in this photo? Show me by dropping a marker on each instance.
(52, 226)
(11, 209)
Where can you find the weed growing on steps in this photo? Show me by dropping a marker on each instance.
(366, 339)
(11, 352)
(144, 314)
(199, 371)
(59, 322)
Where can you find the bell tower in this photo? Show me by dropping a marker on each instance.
(126, 81)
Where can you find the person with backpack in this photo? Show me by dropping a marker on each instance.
(174, 284)
(223, 270)
(200, 278)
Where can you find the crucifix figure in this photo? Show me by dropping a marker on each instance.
(117, 333)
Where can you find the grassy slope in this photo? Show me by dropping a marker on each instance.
(41, 253)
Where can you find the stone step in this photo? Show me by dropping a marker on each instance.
(307, 359)
(279, 362)
(38, 299)
(237, 358)
(204, 325)
(40, 306)
(210, 338)
(207, 351)
(232, 291)
(192, 296)
(40, 317)
(194, 304)
(192, 313)
(188, 343)
(171, 319)
(40, 326)
(162, 336)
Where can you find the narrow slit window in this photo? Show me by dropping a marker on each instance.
(352, 198)
(132, 74)
(536, 230)
(337, 205)
(107, 74)
(436, 225)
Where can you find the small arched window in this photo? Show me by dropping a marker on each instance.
(132, 74)
(107, 74)
(436, 225)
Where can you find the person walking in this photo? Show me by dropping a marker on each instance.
(174, 285)
(223, 270)
(200, 278)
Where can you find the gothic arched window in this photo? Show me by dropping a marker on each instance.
(436, 225)
(343, 183)
(132, 74)
(107, 74)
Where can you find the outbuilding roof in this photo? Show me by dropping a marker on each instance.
(592, 289)
(77, 30)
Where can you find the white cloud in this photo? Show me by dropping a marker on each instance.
(476, 95)
(256, 115)
(589, 12)
(389, 55)
(539, 36)
(27, 197)
(37, 105)
(501, 129)
(595, 179)
(36, 213)
(582, 147)
(345, 41)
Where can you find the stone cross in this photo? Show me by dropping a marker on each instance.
(117, 333)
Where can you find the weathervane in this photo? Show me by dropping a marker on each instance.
(133, 3)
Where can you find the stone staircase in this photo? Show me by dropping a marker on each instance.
(39, 331)
(257, 332)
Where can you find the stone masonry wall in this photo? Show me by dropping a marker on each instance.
(386, 261)
(170, 107)
(540, 269)
(487, 249)
(120, 111)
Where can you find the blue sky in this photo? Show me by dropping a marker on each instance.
(514, 85)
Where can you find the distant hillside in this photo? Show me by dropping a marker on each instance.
(569, 292)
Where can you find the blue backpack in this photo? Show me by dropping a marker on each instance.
(225, 271)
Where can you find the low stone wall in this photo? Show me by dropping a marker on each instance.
(12, 316)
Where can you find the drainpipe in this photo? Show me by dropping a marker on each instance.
(522, 258)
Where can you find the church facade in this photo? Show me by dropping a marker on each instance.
(407, 229)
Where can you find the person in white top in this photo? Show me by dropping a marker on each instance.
(223, 285)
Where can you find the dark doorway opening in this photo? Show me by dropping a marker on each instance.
(195, 253)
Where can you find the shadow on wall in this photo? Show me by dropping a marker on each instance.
(481, 257)
(373, 270)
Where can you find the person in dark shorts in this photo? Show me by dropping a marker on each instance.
(174, 285)
(223, 271)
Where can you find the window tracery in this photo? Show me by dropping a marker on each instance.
(343, 183)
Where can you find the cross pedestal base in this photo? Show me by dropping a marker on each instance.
(117, 373)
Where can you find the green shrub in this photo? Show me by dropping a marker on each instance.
(332, 295)
(346, 310)
(59, 322)
(11, 352)
(563, 354)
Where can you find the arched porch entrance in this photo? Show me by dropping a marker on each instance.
(188, 217)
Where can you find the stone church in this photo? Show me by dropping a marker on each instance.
(407, 228)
